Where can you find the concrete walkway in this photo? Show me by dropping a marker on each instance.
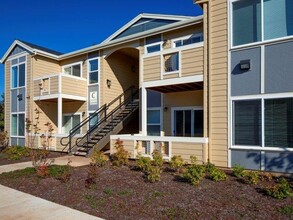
(22, 206)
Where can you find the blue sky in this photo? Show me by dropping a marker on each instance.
(68, 25)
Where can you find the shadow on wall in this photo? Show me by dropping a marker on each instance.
(274, 161)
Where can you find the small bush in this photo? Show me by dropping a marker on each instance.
(251, 177)
(238, 171)
(154, 174)
(157, 158)
(42, 171)
(217, 175)
(92, 175)
(286, 210)
(62, 173)
(210, 167)
(143, 163)
(177, 163)
(16, 152)
(265, 176)
(121, 156)
(4, 139)
(194, 173)
(193, 160)
(99, 158)
(280, 190)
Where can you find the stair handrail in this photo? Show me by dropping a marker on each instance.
(103, 108)
(110, 114)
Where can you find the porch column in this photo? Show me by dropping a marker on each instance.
(143, 111)
(59, 114)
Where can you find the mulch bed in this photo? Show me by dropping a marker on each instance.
(123, 193)
(5, 161)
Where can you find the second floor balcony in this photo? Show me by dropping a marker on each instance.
(54, 85)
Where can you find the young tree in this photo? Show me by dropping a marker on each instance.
(2, 112)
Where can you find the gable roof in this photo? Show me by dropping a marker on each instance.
(146, 18)
(32, 48)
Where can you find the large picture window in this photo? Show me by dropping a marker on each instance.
(69, 122)
(18, 74)
(73, 69)
(277, 124)
(154, 121)
(93, 71)
(18, 125)
(260, 20)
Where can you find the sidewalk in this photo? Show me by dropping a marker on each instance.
(22, 206)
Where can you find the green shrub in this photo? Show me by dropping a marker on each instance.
(121, 156)
(286, 210)
(143, 163)
(210, 167)
(157, 158)
(193, 160)
(251, 177)
(194, 173)
(154, 174)
(99, 158)
(92, 175)
(62, 173)
(16, 152)
(280, 190)
(177, 163)
(217, 174)
(238, 171)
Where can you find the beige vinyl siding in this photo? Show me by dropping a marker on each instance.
(152, 68)
(122, 70)
(54, 85)
(72, 86)
(179, 99)
(192, 62)
(168, 36)
(44, 66)
(7, 96)
(170, 76)
(186, 149)
(218, 83)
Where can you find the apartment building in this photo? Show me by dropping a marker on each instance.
(216, 86)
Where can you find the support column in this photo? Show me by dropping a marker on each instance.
(59, 114)
(143, 111)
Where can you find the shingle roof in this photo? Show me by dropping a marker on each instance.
(34, 46)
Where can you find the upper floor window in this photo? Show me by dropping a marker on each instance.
(171, 62)
(153, 44)
(93, 71)
(260, 20)
(191, 39)
(73, 69)
(18, 72)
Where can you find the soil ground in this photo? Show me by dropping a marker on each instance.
(124, 193)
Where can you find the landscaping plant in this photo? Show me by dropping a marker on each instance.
(99, 158)
(16, 152)
(194, 172)
(217, 175)
(177, 163)
(280, 190)
(154, 174)
(143, 163)
(238, 171)
(157, 158)
(121, 156)
(4, 140)
(251, 177)
(92, 175)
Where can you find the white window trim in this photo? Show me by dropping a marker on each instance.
(173, 109)
(73, 64)
(153, 44)
(262, 41)
(262, 98)
(173, 41)
(88, 70)
(18, 64)
(71, 114)
(161, 116)
(17, 123)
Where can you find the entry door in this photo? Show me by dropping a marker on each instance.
(188, 123)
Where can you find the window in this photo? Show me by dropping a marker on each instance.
(154, 121)
(188, 122)
(153, 44)
(17, 125)
(74, 70)
(252, 23)
(93, 121)
(195, 38)
(279, 122)
(18, 74)
(171, 62)
(93, 71)
(247, 123)
(69, 122)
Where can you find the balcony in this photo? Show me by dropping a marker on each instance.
(54, 85)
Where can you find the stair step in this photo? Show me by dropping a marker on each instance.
(78, 153)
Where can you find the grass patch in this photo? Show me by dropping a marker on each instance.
(29, 171)
(124, 192)
(108, 191)
(286, 210)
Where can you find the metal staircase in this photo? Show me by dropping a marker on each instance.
(107, 120)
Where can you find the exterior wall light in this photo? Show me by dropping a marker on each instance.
(245, 65)
(109, 83)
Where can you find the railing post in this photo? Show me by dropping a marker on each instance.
(69, 143)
